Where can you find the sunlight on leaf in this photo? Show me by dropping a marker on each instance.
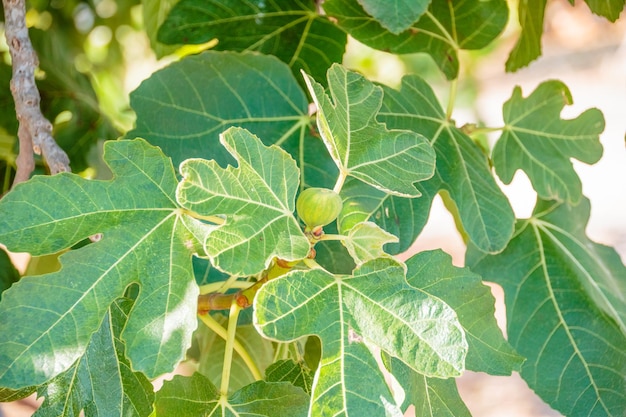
(143, 242)
(390, 160)
(433, 397)
(101, 382)
(434, 273)
(365, 242)
(374, 305)
(257, 199)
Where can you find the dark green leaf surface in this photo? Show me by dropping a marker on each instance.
(396, 16)
(287, 370)
(538, 141)
(528, 47)
(556, 303)
(290, 30)
(433, 273)
(143, 242)
(462, 168)
(184, 107)
(434, 397)
(197, 396)
(375, 306)
(257, 198)
(101, 382)
(363, 148)
(445, 28)
(402, 217)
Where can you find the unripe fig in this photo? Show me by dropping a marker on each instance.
(318, 206)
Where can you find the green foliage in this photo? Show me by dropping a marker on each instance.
(536, 140)
(197, 226)
(565, 298)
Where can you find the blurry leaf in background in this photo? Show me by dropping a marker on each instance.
(68, 100)
(8, 273)
(291, 31)
(531, 19)
(154, 14)
(528, 46)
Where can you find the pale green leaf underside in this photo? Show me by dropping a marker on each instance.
(211, 355)
(575, 354)
(363, 148)
(397, 15)
(197, 396)
(365, 242)
(143, 242)
(536, 140)
(462, 168)
(101, 382)
(256, 198)
(375, 305)
(292, 31)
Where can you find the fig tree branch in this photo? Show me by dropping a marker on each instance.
(35, 131)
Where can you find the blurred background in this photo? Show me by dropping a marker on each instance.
(108, 54)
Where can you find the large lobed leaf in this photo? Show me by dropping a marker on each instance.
(391, 161)
(462, 168)
(197, 396)
(143, 242)
(565, 309)
(257, 200)
(184, 107)
(290, 30)
(101, 382)
(538, 141)
(373, 306)
(444, 29)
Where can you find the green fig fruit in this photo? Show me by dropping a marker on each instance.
(318, 206)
